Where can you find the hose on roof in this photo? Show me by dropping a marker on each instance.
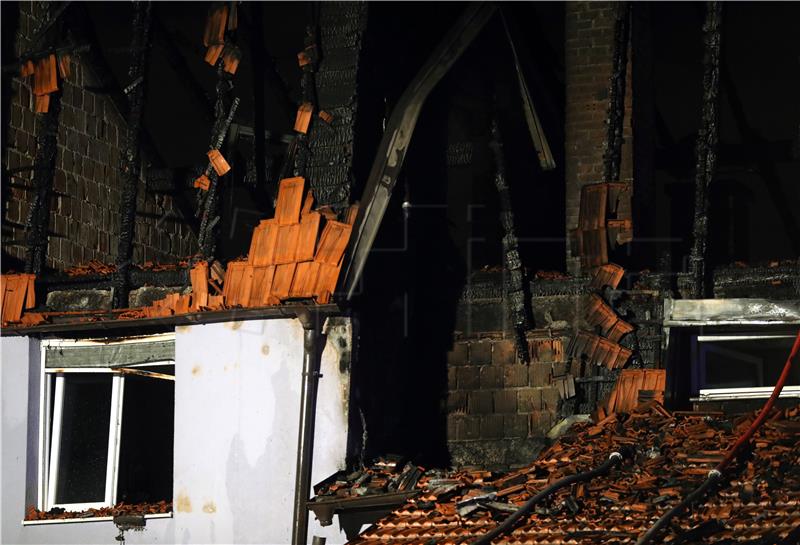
(613, 460)
(716, 474)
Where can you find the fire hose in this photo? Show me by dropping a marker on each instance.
(716, 474)
(613, 460)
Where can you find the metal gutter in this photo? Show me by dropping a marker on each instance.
(696, 312)
(194, 318)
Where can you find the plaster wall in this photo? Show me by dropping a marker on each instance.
(237, 400)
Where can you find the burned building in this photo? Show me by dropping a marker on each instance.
(435, 273)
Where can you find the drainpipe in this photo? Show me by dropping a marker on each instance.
(308, 409)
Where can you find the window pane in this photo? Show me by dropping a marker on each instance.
(746, 363)
(84, 439)
(145, 457)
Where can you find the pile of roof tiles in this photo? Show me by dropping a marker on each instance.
(295, 255)
(759, 501)
(16, 294)
(115, 511)
(604, 219)
(385, 475)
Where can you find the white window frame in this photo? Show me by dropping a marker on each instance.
(752, 392)
(52, 381)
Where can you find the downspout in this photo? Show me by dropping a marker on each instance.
(308, 410)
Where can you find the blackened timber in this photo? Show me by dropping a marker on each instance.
(130, 159)
(328, 156)
(44, 164)
(707, 139)
(515, 282)
(258, 53)
(308, 88)
(44, 168)
(616, 108)
(209, 209)
(397, 137)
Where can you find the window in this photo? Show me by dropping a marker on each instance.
(741, 366)
(106, 432)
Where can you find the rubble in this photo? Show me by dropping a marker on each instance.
(386, 474)
(121, 508)
(295, 255)
(760, 497)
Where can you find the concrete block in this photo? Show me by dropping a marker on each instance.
(468, 377)
(146, 295)
(456, 402)
(550, 398)
(515, 375)
(491, 377)
(505, 401)
(459, 355)
(479, 402)
(480, 353)
(515, 425)
(492, 426)
(504, 352)
(470, 428)
(69, 300)
(539, 373)
(529, 400)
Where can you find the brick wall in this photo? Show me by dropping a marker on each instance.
(588, 62)
(84, 219)
(498, 409)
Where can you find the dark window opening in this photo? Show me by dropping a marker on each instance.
(145, 457)
(84, 439)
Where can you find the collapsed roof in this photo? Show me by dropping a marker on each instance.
(759, 501)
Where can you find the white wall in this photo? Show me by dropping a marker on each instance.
(237, 399)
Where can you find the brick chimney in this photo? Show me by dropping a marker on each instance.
(588, 58)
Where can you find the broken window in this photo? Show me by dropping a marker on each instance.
(108, 421)
(741, 366)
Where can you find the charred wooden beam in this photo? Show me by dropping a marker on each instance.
(44, 165)
(616, 107)
(259, 59)
(130, 159)
(308, 86)
(45, 162)
(706, 149)
(515, 284)
(209, 200)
